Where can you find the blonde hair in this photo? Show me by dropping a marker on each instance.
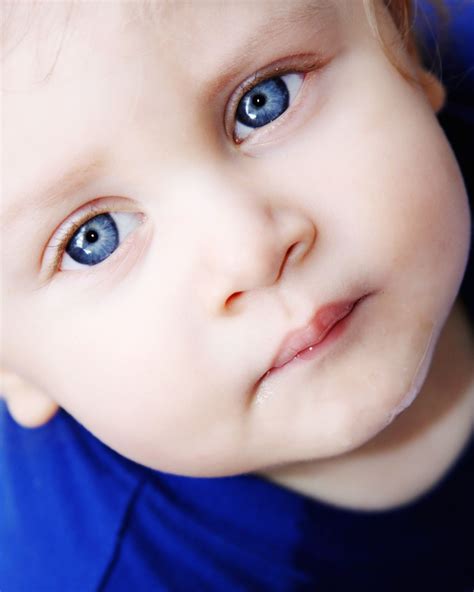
(403, 14)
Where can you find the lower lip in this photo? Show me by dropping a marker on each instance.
(315, 350)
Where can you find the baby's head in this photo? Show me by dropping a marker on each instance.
(188, 184)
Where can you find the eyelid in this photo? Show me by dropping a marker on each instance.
(302, 64)
(54, 250)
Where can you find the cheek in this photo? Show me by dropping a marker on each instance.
(422, 237)
(132, 373)
(107, 366)
(409, 183)
(124, 373)
(385, 190)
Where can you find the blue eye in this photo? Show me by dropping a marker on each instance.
(265, 102)
(95, 240)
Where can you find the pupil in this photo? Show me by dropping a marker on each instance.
(259, 100)
(92, 236)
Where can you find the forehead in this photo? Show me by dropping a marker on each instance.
(93, 50)
(45, 30)
(165, 19)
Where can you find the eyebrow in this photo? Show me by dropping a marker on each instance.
(323, 12)
(79, 176)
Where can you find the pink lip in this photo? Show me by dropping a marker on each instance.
(314, 332)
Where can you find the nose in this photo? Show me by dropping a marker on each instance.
(259, 243)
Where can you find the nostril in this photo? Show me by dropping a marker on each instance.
(286, 258)
(299, 250)
(290, 251)
(231, 298)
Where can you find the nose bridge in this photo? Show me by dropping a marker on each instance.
(245, 239)
(248, 254)
(233, 222)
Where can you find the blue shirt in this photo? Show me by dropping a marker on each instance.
(78, 517)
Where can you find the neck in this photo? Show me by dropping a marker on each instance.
(415, 451)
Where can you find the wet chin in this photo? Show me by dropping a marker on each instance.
(387, 388)
(369, 390)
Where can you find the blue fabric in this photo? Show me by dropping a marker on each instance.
(63, 497)
(77, 517)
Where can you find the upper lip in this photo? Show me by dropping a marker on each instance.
(314, 332)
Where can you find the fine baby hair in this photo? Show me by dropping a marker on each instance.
(236, 338)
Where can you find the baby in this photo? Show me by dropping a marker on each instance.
(234, 235)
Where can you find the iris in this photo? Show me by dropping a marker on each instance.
(266, 101)
(94, 241)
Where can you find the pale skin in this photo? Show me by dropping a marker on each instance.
(159, 349)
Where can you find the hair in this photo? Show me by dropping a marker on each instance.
(404, 14)
(401, 12)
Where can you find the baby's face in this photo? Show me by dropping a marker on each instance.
(211, 224)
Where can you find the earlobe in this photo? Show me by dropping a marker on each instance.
(28, 405)
(433, 89)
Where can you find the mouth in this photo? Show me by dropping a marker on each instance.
(306, 342)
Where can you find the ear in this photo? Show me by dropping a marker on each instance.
(433, 89)
(27, 404)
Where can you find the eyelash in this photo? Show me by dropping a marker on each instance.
(65, 233)
(307, 63)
